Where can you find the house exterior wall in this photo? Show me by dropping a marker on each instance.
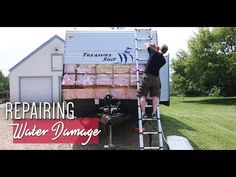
(39, 64)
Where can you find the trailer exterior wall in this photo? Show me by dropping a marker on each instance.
(104, 62)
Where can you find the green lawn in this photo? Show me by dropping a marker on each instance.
(207, 122)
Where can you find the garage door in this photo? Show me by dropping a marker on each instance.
(35, 89)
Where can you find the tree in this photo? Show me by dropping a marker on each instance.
(4, 82)
(210, 65)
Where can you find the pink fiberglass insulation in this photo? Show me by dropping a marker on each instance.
(121, 69)
(100, 80)
(132, 94)
(119, 93)
(104, 69)
(133, 68)
(100, 93)
(68, 79)
(85, 80)
(104, 79)
(86, 69)
(121, 80)
(69, 68)
(133, 80)
(84, 93)
(68, 94)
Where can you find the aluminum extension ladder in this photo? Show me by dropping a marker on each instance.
(158, 130)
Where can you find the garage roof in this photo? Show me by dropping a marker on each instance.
(36, 50)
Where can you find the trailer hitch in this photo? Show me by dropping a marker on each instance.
(110, 112)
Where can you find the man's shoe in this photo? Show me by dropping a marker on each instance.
(144, 116)
(154, 115)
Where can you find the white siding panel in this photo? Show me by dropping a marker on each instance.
(92, 47)
(164, 76)
(57, 63)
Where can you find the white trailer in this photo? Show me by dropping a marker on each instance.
(100, 62)
(97, 63)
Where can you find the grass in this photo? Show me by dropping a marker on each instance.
(209, 123)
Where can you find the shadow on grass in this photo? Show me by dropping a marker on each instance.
(125, 138)
(216, 101)
(171, 126)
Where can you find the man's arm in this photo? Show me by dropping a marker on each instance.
(149, 45)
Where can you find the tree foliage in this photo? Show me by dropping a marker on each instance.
(4, 82)
(209, 65)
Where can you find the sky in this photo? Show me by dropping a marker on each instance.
(17, 42)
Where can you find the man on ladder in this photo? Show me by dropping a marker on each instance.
(151, 80)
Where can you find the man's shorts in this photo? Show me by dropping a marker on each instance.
(150, 83)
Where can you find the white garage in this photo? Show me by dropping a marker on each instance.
(37, 78)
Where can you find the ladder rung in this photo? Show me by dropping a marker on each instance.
(148, 119)
(150, 148)
(150, 133)
(143, 39)
(139, 72)
(148, 106)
